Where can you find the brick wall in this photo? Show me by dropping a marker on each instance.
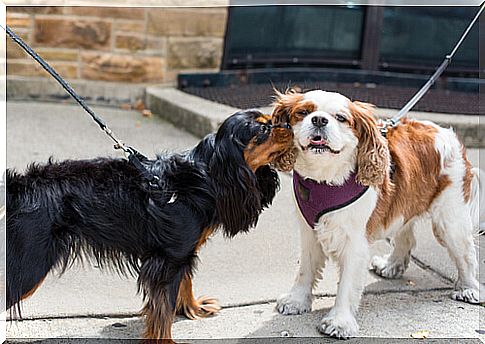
(139, 45)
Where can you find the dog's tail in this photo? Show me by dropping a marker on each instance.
(477, 200)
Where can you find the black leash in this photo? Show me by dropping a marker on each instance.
(392, 122)
(134, 156)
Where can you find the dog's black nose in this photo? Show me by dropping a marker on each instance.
(319, 121)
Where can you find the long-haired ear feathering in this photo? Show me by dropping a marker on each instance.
(373, 159)
(238, 200)
(281, 117)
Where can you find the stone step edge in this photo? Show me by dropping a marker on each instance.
(193, 114)
(95, 92)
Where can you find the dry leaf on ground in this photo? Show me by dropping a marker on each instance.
(423, 334)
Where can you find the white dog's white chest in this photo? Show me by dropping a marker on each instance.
(332, 229)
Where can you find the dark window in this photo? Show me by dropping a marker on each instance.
(414, 39)
(293, 35)
(422, 36)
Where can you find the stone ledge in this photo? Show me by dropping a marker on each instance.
(196, 115)
(94, 92)
(200, 116)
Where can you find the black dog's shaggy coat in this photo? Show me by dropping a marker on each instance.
(104, 209)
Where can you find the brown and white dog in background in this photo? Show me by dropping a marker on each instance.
(419, 171)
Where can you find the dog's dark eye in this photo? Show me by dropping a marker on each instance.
(303, 112)
(340, 118)
(264, 129)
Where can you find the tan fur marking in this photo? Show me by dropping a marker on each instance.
(279, 141)
(288, 107)
(158, 319)
(468, 177)
(186, 303)
(437, 235)
(416, 181)
(33, 290)
(265, 119)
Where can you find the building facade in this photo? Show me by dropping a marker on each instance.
(154, 45)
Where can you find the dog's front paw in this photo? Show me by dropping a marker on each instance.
(294, 303)
(339, 326)
(383, 267)
(468, 295)
(201, 308)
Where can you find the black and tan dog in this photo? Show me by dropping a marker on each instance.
(103, 209)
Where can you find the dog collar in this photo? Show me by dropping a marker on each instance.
(316, 199)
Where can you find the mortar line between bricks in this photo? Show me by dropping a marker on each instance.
(233, 306)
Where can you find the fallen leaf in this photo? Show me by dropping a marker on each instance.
(139, 105)
(423, 334)
(146, 113)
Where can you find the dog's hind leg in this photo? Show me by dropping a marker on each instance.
(394, 265)
(187, 304)
(30, 257)
(16, 294)
(453, 228)
(160, 281)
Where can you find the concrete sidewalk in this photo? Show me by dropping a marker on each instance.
(245, 274)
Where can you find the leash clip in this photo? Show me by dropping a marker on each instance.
(385, 124)
(154, 181)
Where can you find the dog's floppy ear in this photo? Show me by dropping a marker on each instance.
(282, 105)
(268, 184)
(285, 161)
(280, 117)
(281, 110)
(238, 200)
(373, 157)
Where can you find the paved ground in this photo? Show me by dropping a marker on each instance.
(246, 274)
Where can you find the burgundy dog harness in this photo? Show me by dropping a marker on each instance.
(316, 199)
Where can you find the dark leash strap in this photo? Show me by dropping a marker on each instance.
(134, 156)
(392, 122)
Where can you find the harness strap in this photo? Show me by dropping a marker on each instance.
(134, 156)
(317, 199)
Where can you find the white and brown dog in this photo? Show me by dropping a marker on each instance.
(354, 186)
